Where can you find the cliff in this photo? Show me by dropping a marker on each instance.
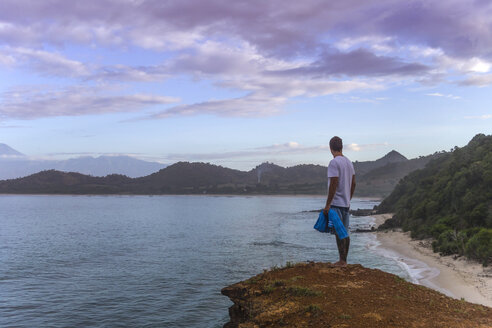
(322, 295)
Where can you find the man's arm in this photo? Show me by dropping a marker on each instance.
(331, 194)
(352, 187)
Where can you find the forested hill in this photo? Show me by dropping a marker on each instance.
(374, 178)
(449, 200)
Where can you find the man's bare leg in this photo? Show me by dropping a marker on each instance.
(343, 248)
(346, 248)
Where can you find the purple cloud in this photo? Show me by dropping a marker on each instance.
(360, 62)
(30, 103)
(481, 80)
(289, 148)
(283, 28)
(44, 62)
(267, 98)
(247, 106)
(270, 50)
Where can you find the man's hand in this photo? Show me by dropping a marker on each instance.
(326, 209)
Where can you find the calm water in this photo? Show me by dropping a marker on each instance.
(140, 261)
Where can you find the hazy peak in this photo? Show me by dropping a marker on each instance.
(394, 156)
(6, 150)
(267, 165)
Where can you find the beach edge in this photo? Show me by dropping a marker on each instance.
(456, 276)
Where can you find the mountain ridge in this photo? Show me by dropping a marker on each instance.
(14, 164)
(206, 178)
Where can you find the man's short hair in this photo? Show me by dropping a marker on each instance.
(336, 144)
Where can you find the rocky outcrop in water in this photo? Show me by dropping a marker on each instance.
(322, 295)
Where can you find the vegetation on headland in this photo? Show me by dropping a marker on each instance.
(374, 178)
(449, 200)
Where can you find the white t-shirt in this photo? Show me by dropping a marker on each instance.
(342, 168)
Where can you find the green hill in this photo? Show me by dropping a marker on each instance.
(449, 200)
(57, 182)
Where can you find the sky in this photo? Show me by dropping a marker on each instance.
(237, 83)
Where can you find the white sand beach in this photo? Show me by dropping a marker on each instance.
(454, 276)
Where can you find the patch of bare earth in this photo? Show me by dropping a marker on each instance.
(322, 295)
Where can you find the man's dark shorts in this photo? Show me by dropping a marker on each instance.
(343, 213)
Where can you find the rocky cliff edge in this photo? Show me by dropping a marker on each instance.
(322, 295)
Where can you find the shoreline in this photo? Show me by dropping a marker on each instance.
(456, 277)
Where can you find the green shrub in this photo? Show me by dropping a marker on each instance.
(447, 243)
(268, 289)
(438, 229)
(313, 309)
(479, 246)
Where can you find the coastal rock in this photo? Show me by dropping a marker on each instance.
(322, 295)
(363, 212)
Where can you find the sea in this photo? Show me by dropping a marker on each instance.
(155, 261)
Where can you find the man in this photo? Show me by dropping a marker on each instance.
(341, 186)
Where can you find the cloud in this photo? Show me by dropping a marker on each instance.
(214, 58)
(481, 80)
(272, 150)
(12, 126)
(283, 28)
(480, 117)
(437, 94)
(247, 106)
(56, 64)
(30, 102)
(2, 156)
(270, 50)
(92, 154)
(7, 59)
(120, 73)
(363, 147)
(464, 65)
(286, 146)
(268, 97)
(359, 62)
(378, 43)
(289, 148)
(362, 100)
(43, 61)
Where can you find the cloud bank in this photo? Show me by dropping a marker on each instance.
(271, 51)
(288, 148)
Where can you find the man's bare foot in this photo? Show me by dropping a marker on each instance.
(340, 264)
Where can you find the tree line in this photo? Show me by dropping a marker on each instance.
(449, 200)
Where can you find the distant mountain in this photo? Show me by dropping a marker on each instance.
(374, 178)
(198, 178)
(6, 151)
(382, 179)
(104, 165)
(191, 178)
(392, 157)
(14, 164)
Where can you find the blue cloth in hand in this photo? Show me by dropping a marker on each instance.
(324, 225)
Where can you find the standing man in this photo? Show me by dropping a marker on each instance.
(341, 186)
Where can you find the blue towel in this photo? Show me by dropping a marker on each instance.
(333, 221)
(323, 225)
